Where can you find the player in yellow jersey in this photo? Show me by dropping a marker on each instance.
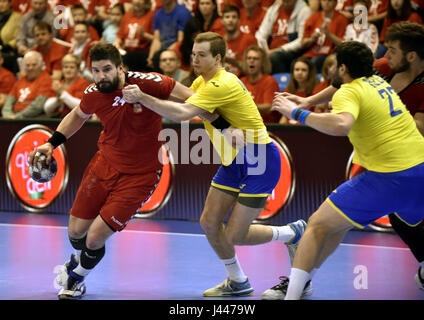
(386, 142)
(247, 175)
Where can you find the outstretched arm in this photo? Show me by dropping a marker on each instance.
(175, 111)
(328, 123)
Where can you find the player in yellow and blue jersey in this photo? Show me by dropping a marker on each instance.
(248, 174)
(386, 142)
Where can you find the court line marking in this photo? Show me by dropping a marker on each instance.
(184, 234)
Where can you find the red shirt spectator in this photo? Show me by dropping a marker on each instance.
(7, 80)
(53, 57)
(129, 30)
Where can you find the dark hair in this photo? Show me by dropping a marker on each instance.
(410, 36)
(230, 8)
(357, 57)
(105, 51)
(311, 81)
(42, 25)
(405, 11)
(198, 16)
(120, 6)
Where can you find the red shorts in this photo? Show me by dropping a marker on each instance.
(115, 196)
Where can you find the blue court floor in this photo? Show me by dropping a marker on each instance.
(172, 260)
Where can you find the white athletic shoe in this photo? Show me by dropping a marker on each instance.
(298, 227)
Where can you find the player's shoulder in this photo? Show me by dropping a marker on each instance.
(92, 88)
(149, 76)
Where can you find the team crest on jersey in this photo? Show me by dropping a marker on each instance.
(91, 88)
(146, 76)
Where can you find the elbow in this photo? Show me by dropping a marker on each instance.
(341, 129)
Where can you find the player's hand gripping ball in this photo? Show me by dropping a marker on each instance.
(42, 172)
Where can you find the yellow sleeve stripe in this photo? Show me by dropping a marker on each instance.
(343, 214)
(411, 225)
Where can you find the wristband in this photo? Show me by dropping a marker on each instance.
(220, 123)
(300, 115)
(57, 139)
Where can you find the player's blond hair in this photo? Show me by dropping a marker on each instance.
(217, 42)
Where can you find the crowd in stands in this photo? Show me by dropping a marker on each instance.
(44, 61)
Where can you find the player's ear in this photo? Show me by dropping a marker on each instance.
(411, 56)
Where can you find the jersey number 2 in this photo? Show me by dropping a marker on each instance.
(389, 91)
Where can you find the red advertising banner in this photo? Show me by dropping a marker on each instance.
(31, 195)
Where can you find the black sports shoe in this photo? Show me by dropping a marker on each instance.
(278, 292)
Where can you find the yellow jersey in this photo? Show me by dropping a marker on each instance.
(228, 96)
(384, 136)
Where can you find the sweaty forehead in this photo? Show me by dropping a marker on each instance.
(202, 47)
(101, 64)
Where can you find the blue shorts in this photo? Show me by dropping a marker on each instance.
(253, 173)
(372, 195)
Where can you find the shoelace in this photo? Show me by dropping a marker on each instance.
(284, 283)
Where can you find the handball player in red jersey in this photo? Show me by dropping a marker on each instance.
(124, 171)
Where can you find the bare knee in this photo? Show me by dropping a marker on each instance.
(210, 226)
(94, 241)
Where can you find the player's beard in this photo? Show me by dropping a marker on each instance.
(107, 86)
(404, 65)
(337, 80)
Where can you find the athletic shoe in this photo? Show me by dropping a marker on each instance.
(298, 227)
(419, 280)
(63, 275)
(230, 288)
(74, 289)
(279, 291)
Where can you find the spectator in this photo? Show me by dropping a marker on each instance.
(168, 25)
(345, 7)
(111, 25)
(81, 48)
(184, 46)
(251, 16)
(377, 12)
(9, 29)
(303, 80)
(69, 89)
(323, 31)
(329, 69)
(237, 41)
(51, 50)
(208, 18)
(135, 35)
(362, 31)
(26, 40)
(259, 82)
(169, 63)
(398, 10)
(79, 14)
(283, 26)
(28, 94)
(7, 79)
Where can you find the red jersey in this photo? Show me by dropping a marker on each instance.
(279, 34)
(236, 48)
(377, 6)
(7, 80)
(26, 91)
(324, 46)
(412, 96)
(414, 17)
(263, 92)
(128, 30)
(251, 24)
(129, 140)
(76, 89)
(53, 57)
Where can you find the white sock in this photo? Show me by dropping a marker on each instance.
(284, 233)
(234, 269)
(422, 269)
(298, 279)
(79, 270)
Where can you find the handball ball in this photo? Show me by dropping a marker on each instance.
(42, 172)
